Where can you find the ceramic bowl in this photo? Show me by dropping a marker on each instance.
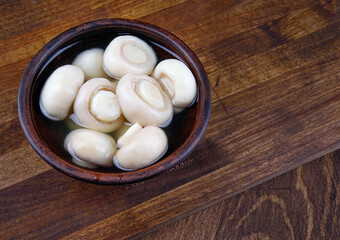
(47, 137)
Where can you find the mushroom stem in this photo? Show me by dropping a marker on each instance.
(143, 100)
(168, 86)
(178, 82)
(105, 106)
(150, 94)
(134, 53)
(126, 136)
(97, 107)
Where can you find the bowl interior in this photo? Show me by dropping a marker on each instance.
(47, 136)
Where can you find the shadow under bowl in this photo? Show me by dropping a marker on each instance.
(47, 137)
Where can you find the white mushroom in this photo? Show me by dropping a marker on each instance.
(59, 92)
(91, 62)
(178, 82)
(91, 146)
(142, 100)
(96, 106)
(128, 54)
(143, 148)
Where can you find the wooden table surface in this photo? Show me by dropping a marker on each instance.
(274, 71)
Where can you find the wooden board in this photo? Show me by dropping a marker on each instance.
(274, 72)
(300, 204)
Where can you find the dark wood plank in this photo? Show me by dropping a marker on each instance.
(34, 15)
(273, 69)
(24, 36)
(121, 197)
(215, 186)
(301, 204)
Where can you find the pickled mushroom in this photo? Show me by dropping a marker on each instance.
(59, 92)
(91, 146)
(128, 54)
(142, 100)
(142, 149)
(130, 108)
(96, 106)
(177, 81)
(91, 62)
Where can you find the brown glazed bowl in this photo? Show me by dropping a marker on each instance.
(47, 137)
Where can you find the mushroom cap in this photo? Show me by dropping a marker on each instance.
(91, 146)
(91, 62)
(83, 104)
(128, 54)
(178, 82)
(135, 104)
(143, 148)
(59, 92)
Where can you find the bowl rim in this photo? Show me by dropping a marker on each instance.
(26, 118)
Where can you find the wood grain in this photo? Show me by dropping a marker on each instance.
(301, 204)
(274, 71)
